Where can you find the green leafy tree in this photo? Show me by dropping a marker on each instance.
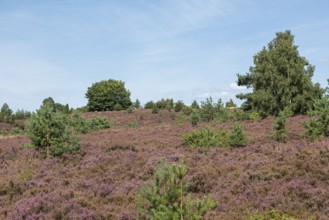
(279, 78)
(49, 132)
(108, 95)
(6, 114)
(167, 197)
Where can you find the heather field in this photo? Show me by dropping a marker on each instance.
(291, 177)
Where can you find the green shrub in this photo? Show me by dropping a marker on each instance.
(195, 105)
(187, 110)
(131, 109)
(317, 126)
(6, 114)
(237, 138)
(272, 215)
(179, 106)
(79, 123)
(280, 125)
(208, 110)
(206, 138)
(167, 197)
(254, 116)
(314, 129)
(98, 123)
(155, 109)
(195, 118)
(149, 105)
(117, 107)
(132, 124)
(51, 133)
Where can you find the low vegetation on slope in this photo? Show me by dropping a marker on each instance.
(287, 178)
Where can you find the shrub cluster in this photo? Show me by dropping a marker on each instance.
(220, 138)
(317, 126)
(167, 197)
(54, 132)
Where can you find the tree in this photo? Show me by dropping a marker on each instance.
(49, 132)
(6, 114)
(230, 104)
(279, 78)
(108, 95)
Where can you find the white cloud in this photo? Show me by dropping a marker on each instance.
(236, 87)
(214, 94)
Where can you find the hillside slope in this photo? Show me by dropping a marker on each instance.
(292, 177)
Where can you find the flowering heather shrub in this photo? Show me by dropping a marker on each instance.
(31, 208)
(206, 138)
(168, 198)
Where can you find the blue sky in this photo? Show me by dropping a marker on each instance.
(181, 49)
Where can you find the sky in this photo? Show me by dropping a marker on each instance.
(181, 49)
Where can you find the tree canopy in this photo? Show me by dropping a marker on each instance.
(108, 95)
(279, 78)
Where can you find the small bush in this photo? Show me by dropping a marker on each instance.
(132, 124)
(187, 110)
(206, 138)
(131, 109)
(280, 125)
(179, 106)
(272, 214)
(117, 107)
(195, 118)
(50, 132)
(155, 109)
(167, 197)
(237, 138)
(254, 116)
(317, 126)
(98, 123)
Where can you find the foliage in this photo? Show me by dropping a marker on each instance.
(317, 126)
(132, 124)
(108, 95)
(49, 132)
(22, 114)
(165, 104)
(206, 138)
(230, 104)
(280, 125)
(237, 137)
(98, 123)
(179, 105)
(131, 109)
(6, 114)
(137, 104)
(272, 214)
(149, 105)
(279, 78)
(254, 116)
(187, 110)
(195, 105)
(195, 118)
(155, 109)
(208, 110)
(57, 107)
(167, 196)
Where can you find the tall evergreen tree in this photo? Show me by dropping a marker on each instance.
(280, 78)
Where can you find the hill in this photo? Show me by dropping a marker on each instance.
(292, 177)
